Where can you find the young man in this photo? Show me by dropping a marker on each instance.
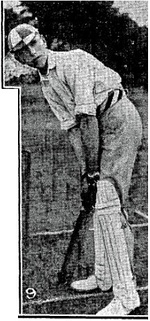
(105, 130)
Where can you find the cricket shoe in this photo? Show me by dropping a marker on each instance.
(116, 308)
(89, 284)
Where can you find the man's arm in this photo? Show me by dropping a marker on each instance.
(76, 142)
(85, 141)
(90, 140)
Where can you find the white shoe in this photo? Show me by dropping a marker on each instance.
(115, 308)
(85, 285)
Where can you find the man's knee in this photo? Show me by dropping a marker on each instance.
(107, 195)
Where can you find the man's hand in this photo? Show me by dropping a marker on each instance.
(88, 191)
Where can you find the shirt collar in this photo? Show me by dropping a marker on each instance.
(51, 60)
(51, 63)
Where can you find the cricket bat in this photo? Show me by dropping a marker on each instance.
(82, 224)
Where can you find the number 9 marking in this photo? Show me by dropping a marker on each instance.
(31, 293)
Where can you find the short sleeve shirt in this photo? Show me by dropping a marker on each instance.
(76, 83)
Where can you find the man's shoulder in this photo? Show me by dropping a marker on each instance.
(71, 57)
(71, 53)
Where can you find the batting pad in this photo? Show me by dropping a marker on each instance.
(102, 269)
(111, 249)
(106, 196)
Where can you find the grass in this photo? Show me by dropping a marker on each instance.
(44, 259)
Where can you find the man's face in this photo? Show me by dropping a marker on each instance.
(34, 54)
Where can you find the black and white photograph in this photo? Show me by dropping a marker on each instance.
(79, 70)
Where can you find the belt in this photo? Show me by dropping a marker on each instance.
(111, 99)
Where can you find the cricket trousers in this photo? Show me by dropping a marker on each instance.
(120, 136)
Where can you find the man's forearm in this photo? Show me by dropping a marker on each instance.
(90, 139)
(85, 142)
(76, 142)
